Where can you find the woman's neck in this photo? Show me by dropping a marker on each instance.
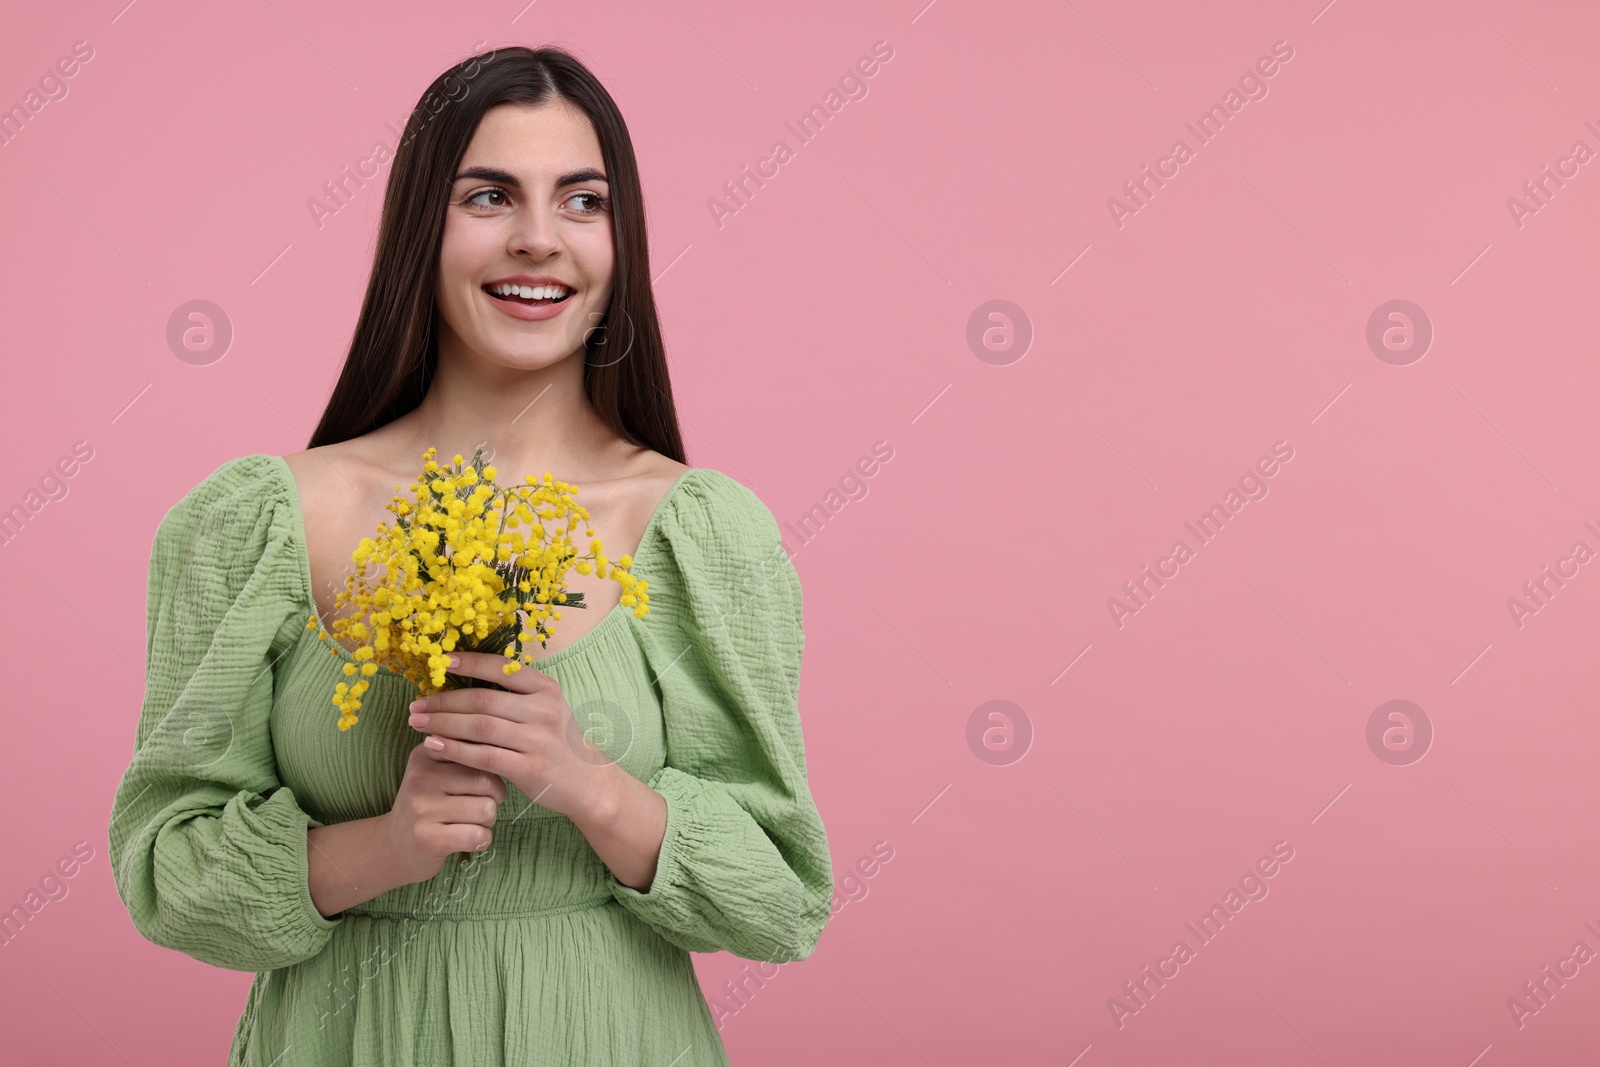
(528, 421)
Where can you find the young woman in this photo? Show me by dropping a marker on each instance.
(638, 794)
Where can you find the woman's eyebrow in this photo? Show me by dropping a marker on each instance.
(495, 174)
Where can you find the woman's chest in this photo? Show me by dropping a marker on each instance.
(339, 775)
(618, 519)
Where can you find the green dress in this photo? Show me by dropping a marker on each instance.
(533, 953)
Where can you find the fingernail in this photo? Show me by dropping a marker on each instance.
(435, 743)
(418, 719)
(417, 704)
(455, 661)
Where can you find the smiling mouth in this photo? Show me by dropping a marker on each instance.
(526, 300)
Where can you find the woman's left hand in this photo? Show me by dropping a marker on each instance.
(527, 735)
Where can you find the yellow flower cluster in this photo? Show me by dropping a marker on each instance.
(467, 565)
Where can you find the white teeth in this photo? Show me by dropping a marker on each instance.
(537, 292)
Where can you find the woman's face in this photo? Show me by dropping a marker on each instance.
(530, 202)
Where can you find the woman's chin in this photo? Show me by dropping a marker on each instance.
(514, 360)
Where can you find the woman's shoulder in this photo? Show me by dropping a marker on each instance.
(322, 478)
(245, 484)
(720, 537)
(718, 557)
(336, 469)
(716, 507)
(719, 504)
(238, 520)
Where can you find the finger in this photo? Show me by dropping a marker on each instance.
(484, 729)
(494, 786)
(471, 782)
(478, 809)
(488, 667)
(489, 758)
(475, 701)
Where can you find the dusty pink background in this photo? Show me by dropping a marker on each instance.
(1227, 314)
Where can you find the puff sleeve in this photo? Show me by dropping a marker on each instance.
(208, 849)
(744, 864)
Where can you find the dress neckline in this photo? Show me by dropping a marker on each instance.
(646, 540)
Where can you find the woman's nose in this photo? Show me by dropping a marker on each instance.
(533, 232)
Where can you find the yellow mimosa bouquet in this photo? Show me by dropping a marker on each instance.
(467, 565)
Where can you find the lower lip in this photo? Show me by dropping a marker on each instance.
(528, 312)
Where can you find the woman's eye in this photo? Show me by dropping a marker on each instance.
(589, 203)
(473, 199)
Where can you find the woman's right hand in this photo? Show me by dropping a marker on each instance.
(442, 808)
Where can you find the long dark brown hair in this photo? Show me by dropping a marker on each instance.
(394, 350)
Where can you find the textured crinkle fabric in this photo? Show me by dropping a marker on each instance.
(533, 953)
